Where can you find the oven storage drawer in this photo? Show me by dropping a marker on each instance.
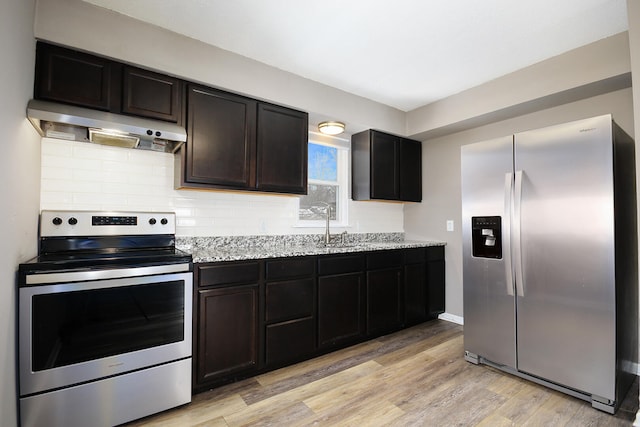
(162, 387)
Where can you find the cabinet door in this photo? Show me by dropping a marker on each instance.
(149, 94)
(340, 309)
(220, 148)
(384, 163)
(435, 281)
(228, 339)
(384, 310)
(415, 277)
(282, 149)
(77, 78)
(410, 170)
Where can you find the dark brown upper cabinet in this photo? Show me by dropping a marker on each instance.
(385, 167)
(220, 148)
(282, 149)
(72, 77)
(149, 94)
(238, 143)
(77, 78)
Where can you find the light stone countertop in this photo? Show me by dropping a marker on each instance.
(202, 254)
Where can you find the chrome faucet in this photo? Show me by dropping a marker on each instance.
(327, 233)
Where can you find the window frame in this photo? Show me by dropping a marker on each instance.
(343, 180)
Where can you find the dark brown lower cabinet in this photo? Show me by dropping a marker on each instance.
(415, 286)
(435, 281)
(384, 288)
(341, 299)
(384, 291)
(289, 310)
(228, 341)
(258, 315)
(340, 309)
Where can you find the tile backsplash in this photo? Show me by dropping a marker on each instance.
(83, 176)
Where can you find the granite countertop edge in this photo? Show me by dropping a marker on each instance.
(213, 254)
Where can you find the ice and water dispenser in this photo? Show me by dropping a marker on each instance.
(486, 236)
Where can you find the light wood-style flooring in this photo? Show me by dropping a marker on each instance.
(415, 377)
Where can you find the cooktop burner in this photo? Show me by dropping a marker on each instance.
(97, 260)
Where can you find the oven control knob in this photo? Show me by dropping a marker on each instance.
(57, 220)
(164, 221)
(73, 221)
(152, 221)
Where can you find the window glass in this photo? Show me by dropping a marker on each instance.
(313, 206)
(327, 185)
(323, 162)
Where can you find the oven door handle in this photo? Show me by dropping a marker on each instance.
(86, 275)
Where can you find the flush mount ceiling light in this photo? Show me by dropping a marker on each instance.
(331, 128)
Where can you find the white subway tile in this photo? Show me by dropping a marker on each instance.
(54, 147)
(98, 152)
(49, 172)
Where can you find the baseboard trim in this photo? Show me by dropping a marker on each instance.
(452, 318)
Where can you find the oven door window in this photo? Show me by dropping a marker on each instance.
(78, 326)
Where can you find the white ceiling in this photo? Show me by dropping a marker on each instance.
(402, 53)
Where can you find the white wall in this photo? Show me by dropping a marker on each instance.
(441, 175)
(584, 72)
(633, 13)
(87, 27)
(78, 175)
(20, 177)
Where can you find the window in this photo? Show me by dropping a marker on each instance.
(327, 182)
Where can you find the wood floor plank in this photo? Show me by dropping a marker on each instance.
(280, 402)
(524, 403)
(320, 366)
(199, 411)
(416, 377)
(556, 411)
(281, 414)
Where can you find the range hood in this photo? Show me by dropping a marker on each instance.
(68, 122)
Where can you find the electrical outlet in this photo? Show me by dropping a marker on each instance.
(449, 225)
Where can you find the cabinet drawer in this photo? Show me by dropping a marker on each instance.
(340, 264)
(288, 300)
(219, 274)
(435, 253)
(288, 268)
(384, 259)
(289, 341)
(415, 255)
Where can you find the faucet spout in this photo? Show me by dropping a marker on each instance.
(327, 233)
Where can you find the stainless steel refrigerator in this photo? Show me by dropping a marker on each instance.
(550, 257)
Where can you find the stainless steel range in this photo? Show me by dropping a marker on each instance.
(104, 320)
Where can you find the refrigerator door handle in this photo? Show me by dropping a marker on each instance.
(517, 243)
(506, 232)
